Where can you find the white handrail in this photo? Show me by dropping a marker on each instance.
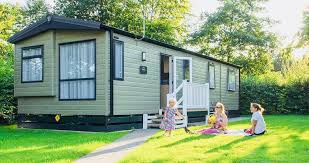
(180, 101)
(184, 122)
(193, 96)
(179, 87)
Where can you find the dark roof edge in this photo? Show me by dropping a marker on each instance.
(52, 18)
(125, 33)
(15, 37)
(86, 23)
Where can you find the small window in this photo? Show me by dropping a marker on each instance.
(211, 77)
(186, 69)
(77, 70)
(118, 60)
(32, 64)
(231, 80)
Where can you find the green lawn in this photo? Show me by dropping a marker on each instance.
(27, 145)
(287, 140)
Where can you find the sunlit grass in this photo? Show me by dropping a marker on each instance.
(27, 145)
(287, 140)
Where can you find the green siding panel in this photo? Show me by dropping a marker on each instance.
(51, 104)
(229, 98)
(139, 94)
(45, 88)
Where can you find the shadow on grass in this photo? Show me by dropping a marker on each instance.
(229, 145)
(295, 144)
(188, 139)
(160, 161)
(259, 154)
(45, 154)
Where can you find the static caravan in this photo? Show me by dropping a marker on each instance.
(82, 75)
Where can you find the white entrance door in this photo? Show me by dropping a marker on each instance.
(182, 70)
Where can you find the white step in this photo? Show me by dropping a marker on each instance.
(154, 121)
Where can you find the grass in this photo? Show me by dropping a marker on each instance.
(287, 140)
(28, 145)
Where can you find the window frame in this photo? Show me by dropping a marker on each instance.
(211, 64)
(228, 79)
(32, 57)
(78, 79)
(114, 60)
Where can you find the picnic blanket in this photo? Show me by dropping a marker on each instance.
(236, 133)
(233, 133)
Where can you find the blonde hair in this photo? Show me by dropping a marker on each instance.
(258, 107)
(222, 107)
(172, 99)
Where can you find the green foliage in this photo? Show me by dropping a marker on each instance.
(35, 9)
(267, 93)
(297, 97)
(304, 33)
(235, 33)
(164, 19)
(283, 60)
(11, 21)
(254, 65)
(8, 104)
(278, 92)
(297, 71)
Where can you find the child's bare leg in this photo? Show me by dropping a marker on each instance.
(165, 133)
(169, 132)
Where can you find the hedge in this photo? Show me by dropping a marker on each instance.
(8, 104)
(275, 98)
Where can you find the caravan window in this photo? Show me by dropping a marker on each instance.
(32, 64)
(211, 75)
(118, 60)
(231, 80)
(77, 70)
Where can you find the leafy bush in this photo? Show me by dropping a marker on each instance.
(297, 97)
(276, 93)
(8, 103)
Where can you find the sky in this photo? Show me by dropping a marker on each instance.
(288, 13)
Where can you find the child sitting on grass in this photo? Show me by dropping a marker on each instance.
(168, 122)
(257, 121)
(220, 125)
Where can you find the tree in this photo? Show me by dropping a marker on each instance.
(235, 33)
(283, 60)
(298, 70)
(11, 21)
(164, 19)
(304, 34)
(35, 9)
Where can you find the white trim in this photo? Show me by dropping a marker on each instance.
(175, 69)
(170, 86)
(145, 121)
